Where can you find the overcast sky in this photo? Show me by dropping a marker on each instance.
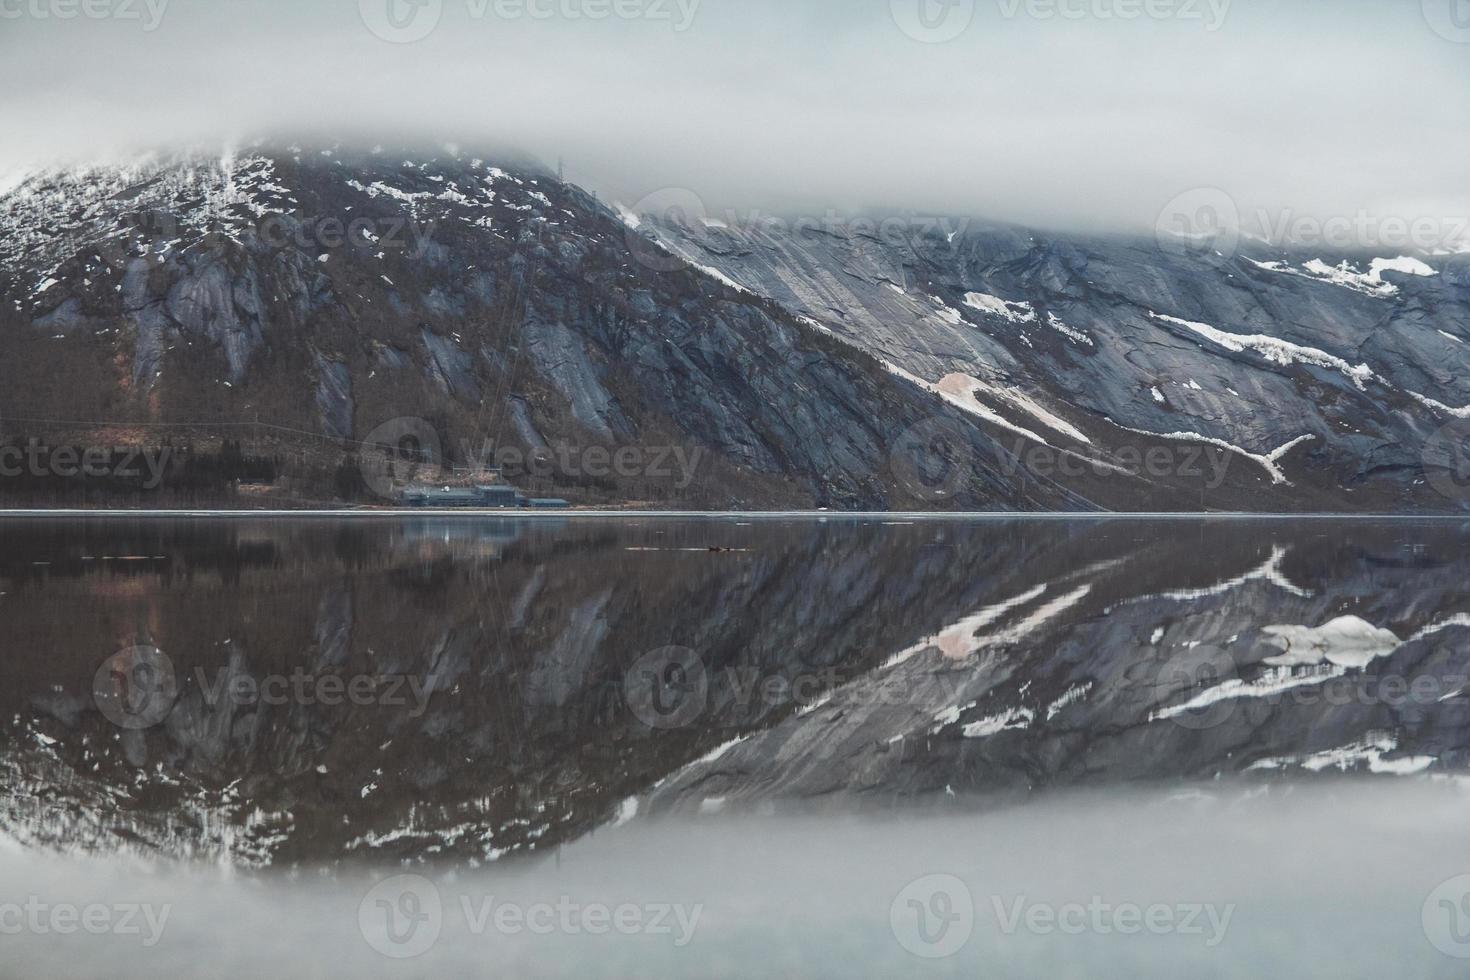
(1083, 120)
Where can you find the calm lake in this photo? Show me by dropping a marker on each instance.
(734, 747)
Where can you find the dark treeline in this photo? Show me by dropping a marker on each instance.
(37, 473)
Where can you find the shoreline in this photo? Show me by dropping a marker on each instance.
(887, 516)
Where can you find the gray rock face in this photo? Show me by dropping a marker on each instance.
(334, 396)
(561, 356)
(1361, 363)
(450, 368)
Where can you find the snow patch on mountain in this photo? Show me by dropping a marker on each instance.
(716, 274)
(1005, 309)
(1346, 642)
(1014, 718)
(959, 390)
(1073, 695)
(1349, 276)
(1037, 411)
(1268, 462)
(1055, 322)
(1371, 752)
(1276, 681)
(1439, 406)
(1276, 351)
(1269, 571)
(1032, 623)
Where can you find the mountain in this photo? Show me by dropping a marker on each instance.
(306, 308)
(1337, 377)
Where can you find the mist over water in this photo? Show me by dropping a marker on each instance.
(1330, 881)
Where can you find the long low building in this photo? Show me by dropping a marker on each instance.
(497, 497)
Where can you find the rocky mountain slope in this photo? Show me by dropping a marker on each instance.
(320, 298)
(306, 301)
(1347, 372)
(1342, 370)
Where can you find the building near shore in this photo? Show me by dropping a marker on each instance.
(498, 496)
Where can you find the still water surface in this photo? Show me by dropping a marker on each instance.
(741, 747)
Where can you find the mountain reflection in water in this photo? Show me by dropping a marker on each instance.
(459, 691)
(601, 706)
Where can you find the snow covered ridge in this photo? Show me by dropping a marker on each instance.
(51, 215)
(1349, 276)
(106, 216)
